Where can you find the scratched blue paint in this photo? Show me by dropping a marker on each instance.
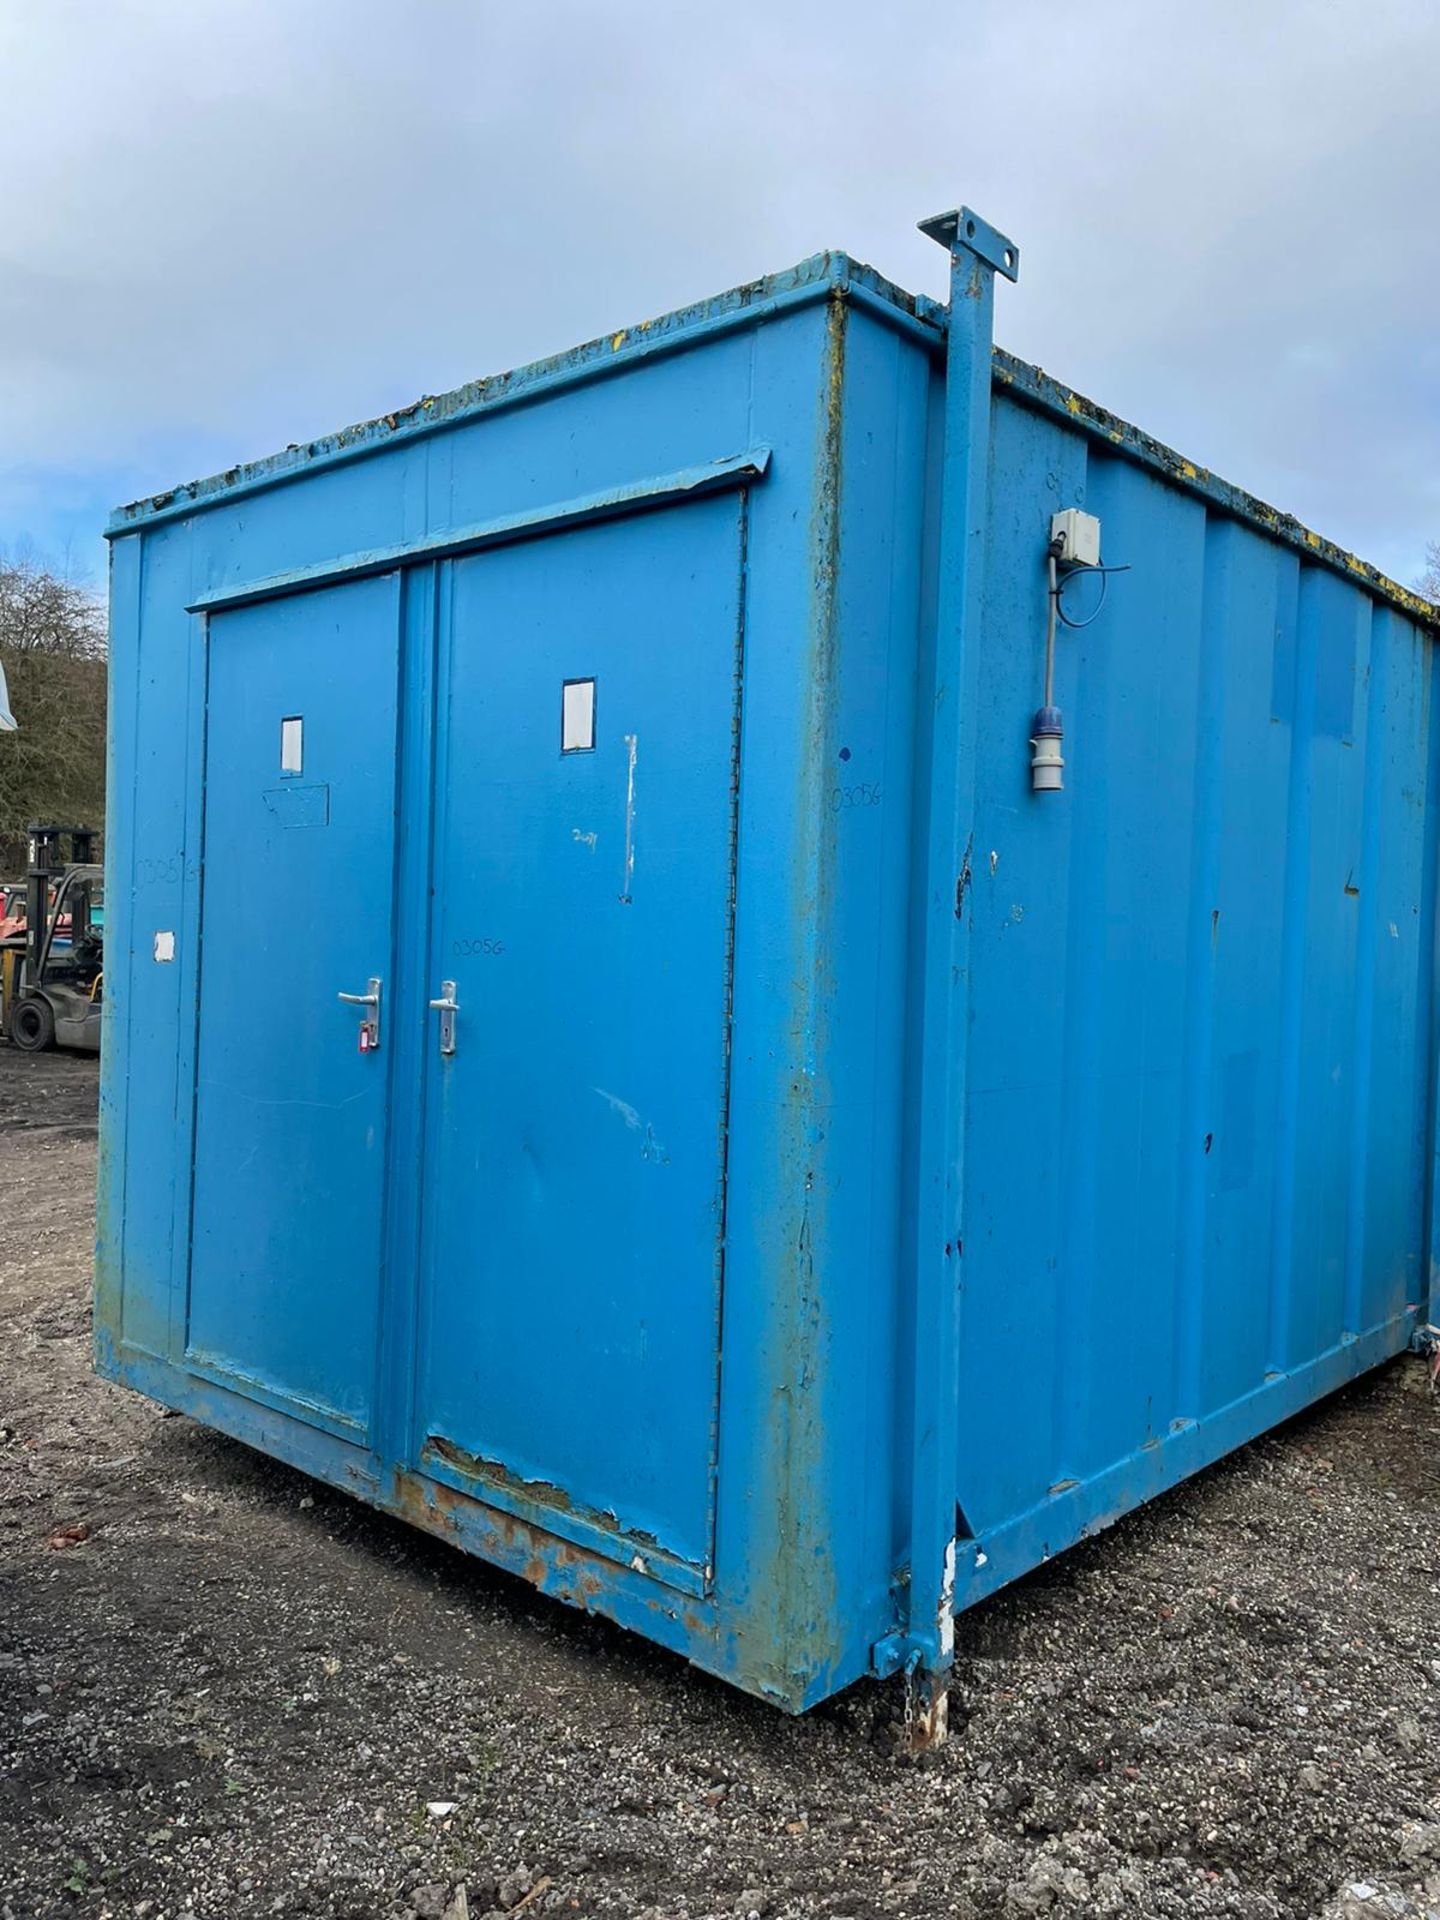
(845, 1153)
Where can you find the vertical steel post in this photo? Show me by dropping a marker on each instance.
(977, 254)
(1426, 1338)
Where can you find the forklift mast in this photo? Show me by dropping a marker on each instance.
(46, 866)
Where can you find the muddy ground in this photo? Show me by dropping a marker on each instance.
(241, 1694)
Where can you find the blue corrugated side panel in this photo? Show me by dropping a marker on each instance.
(1201, 1040)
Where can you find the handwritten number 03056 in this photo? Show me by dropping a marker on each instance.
(863, 795)
(477, 949)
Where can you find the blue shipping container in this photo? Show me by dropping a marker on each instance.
(617, 1052)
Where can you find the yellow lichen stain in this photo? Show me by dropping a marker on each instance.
(1189, 469)
(617, 341)
(1072, 404)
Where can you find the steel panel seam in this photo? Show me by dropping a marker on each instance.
(424, 607)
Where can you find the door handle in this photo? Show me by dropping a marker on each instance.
(447, 1006)
(370, 1025)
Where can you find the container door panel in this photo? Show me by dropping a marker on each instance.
(297, 907)
(575, 1136)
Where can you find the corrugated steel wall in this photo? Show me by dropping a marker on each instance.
(1200, 1049)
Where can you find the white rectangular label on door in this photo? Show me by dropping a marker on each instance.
(577, 717)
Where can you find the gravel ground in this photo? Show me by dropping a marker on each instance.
(225, 1691)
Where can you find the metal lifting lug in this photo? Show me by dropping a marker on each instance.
(963, 228)
(887, 1656)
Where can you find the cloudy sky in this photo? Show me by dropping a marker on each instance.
(228, 224)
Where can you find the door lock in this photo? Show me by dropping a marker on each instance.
(447, 1006)
(370, 1025)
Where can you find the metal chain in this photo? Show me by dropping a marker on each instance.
(908, 1706)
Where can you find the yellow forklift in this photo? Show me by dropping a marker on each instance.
(52, 974)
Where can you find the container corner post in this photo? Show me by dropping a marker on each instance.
(978, 252)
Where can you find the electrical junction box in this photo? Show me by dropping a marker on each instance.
(1080, 533)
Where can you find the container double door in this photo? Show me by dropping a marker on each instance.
(482, 1239)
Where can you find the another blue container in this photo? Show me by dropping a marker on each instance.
(835, 1176)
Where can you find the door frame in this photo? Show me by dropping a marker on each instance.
(424, 592)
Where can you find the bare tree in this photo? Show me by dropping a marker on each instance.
(52, 647)
(45, 611)
(1429, 582)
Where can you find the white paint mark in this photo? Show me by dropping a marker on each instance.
(945, 1616)
(164, 946)
(1394, 931)
(584, 839)
(623, 1107)
(631, 743)
(994, 862)
(651, 1149)
(637, 1565)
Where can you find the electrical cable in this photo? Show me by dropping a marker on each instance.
(1047, 763)
(1057, 589)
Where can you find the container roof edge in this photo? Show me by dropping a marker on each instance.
(832, 271)
(754, 300)
(1033, 386)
